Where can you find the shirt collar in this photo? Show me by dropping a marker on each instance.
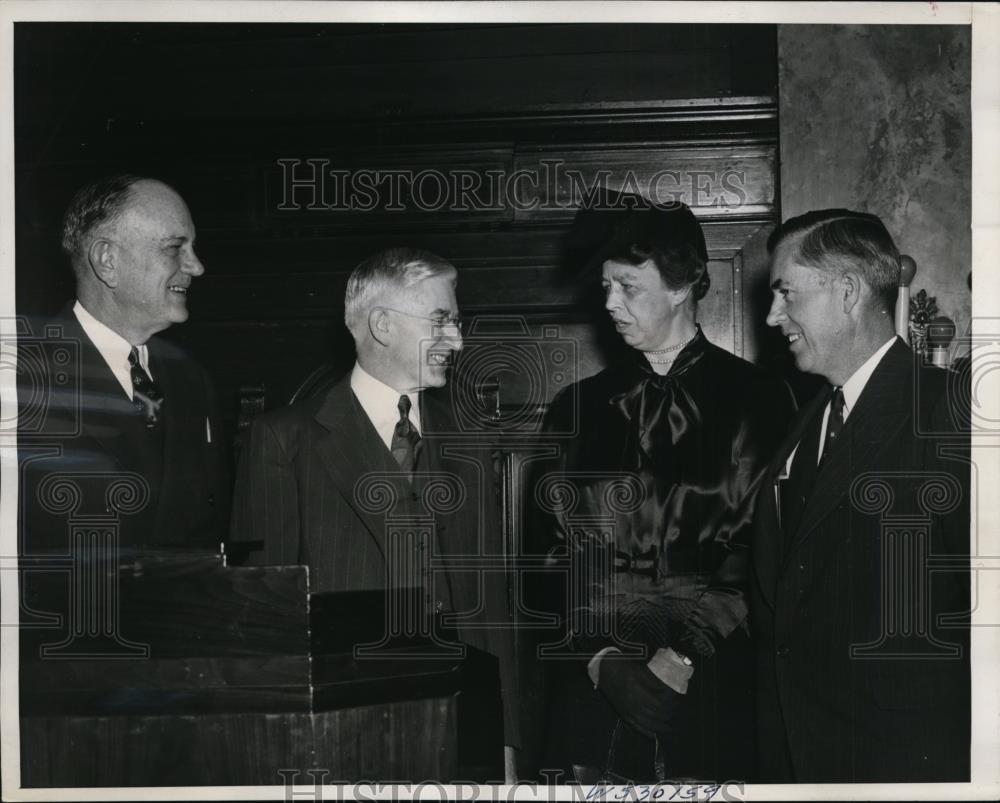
(111, 346)
(380, 402)
(852, 387)
(852, 391)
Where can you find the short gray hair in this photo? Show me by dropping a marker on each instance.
(98, 203)
(392, 269)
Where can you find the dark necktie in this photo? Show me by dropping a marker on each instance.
(835, 423)
(144, 390)
(405, 438)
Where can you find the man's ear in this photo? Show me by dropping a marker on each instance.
(102, 259)
(851, 288)
(379, 325)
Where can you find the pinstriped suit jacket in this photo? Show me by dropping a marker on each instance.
(297, 490)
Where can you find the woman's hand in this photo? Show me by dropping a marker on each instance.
(637, 695)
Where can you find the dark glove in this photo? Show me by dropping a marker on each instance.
(637, 695)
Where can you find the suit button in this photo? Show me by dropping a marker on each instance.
(438, 606)
(782, 652)
(211, 499)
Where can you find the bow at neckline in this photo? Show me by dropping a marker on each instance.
(659, 405)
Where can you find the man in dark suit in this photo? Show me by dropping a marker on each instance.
(322, 482)
(115, 423)
(861, 538)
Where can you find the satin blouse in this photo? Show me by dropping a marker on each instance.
(650, 502)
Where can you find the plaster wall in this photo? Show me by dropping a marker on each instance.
(878, 119)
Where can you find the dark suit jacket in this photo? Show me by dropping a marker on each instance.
(75, 419)
(831, 709)
(302, 488)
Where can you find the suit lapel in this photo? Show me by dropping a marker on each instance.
(769, 547)
(349, 448)
(96, 393)
(881, 410)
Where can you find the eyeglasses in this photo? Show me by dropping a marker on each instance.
(448, 324)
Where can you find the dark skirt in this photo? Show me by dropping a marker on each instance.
(709, 741)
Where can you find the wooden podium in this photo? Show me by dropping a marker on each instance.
(172, 669)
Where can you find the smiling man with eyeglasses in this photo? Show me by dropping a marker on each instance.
(436, 336)
(301, 480)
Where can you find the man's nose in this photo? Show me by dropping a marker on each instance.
(193, 265)
(454, 339)
(776, 314)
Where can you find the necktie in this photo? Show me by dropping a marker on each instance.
(405, 438)
(835, 422)
(145, 392)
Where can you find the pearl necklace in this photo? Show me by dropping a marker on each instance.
(667, 350)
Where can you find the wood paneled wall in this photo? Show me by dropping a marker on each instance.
(232, 114)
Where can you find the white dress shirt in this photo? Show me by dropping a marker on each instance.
(381, 403)
(852, 392)
(112, 347)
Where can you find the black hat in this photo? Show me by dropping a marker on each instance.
(609, 222)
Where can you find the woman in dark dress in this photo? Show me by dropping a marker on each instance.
(647, 513)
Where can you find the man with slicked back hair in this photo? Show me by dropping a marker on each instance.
(862, 655)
